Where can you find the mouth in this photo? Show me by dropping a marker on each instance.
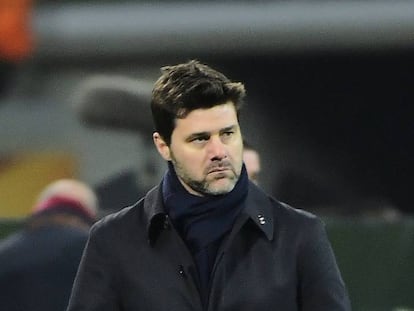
(219, 169)
(222, 167)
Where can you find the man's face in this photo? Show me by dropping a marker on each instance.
(206, 150)
(252, 161)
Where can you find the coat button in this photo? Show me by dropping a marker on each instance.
(181, 271)
(261, 218)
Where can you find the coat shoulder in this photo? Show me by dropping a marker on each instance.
(120, 222)
(297, 213)
(289, 216)
(280, 210)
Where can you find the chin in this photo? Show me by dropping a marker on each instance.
(219, 187)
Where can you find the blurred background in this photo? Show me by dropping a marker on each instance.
(329, 108)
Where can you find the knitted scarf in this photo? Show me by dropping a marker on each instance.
(202, 221)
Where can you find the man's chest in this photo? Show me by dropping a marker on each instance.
(248, 274)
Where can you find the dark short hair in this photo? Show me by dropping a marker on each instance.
(185, 87)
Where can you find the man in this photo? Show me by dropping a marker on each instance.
(206, 238)
(38, 264)
(251, 160)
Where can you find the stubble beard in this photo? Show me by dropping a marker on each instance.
(205, 186)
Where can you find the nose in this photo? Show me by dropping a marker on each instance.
(216, 149)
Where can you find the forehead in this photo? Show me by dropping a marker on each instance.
(208, 120)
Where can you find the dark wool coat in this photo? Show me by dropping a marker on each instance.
(275, 258)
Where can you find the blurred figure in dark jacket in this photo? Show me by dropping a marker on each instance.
(38, 264)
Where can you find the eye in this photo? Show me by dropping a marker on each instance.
(227, 135)
(200, 139)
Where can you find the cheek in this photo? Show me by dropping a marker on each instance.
(188, 158)
(237, 154)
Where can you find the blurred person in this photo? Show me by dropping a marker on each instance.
(251, 159)
(38, 264)
(206, 238)
(119, 103)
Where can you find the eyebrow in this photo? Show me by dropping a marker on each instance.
(228, 128)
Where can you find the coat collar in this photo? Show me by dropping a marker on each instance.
(258, 209)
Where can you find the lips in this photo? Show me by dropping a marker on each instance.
(219, 169)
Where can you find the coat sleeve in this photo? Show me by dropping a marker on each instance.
(94, 285)
(321, 285)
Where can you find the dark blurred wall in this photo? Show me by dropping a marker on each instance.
(349, 114)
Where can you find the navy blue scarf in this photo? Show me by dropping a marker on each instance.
(203, 221)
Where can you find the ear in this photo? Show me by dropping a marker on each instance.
(162, 146)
